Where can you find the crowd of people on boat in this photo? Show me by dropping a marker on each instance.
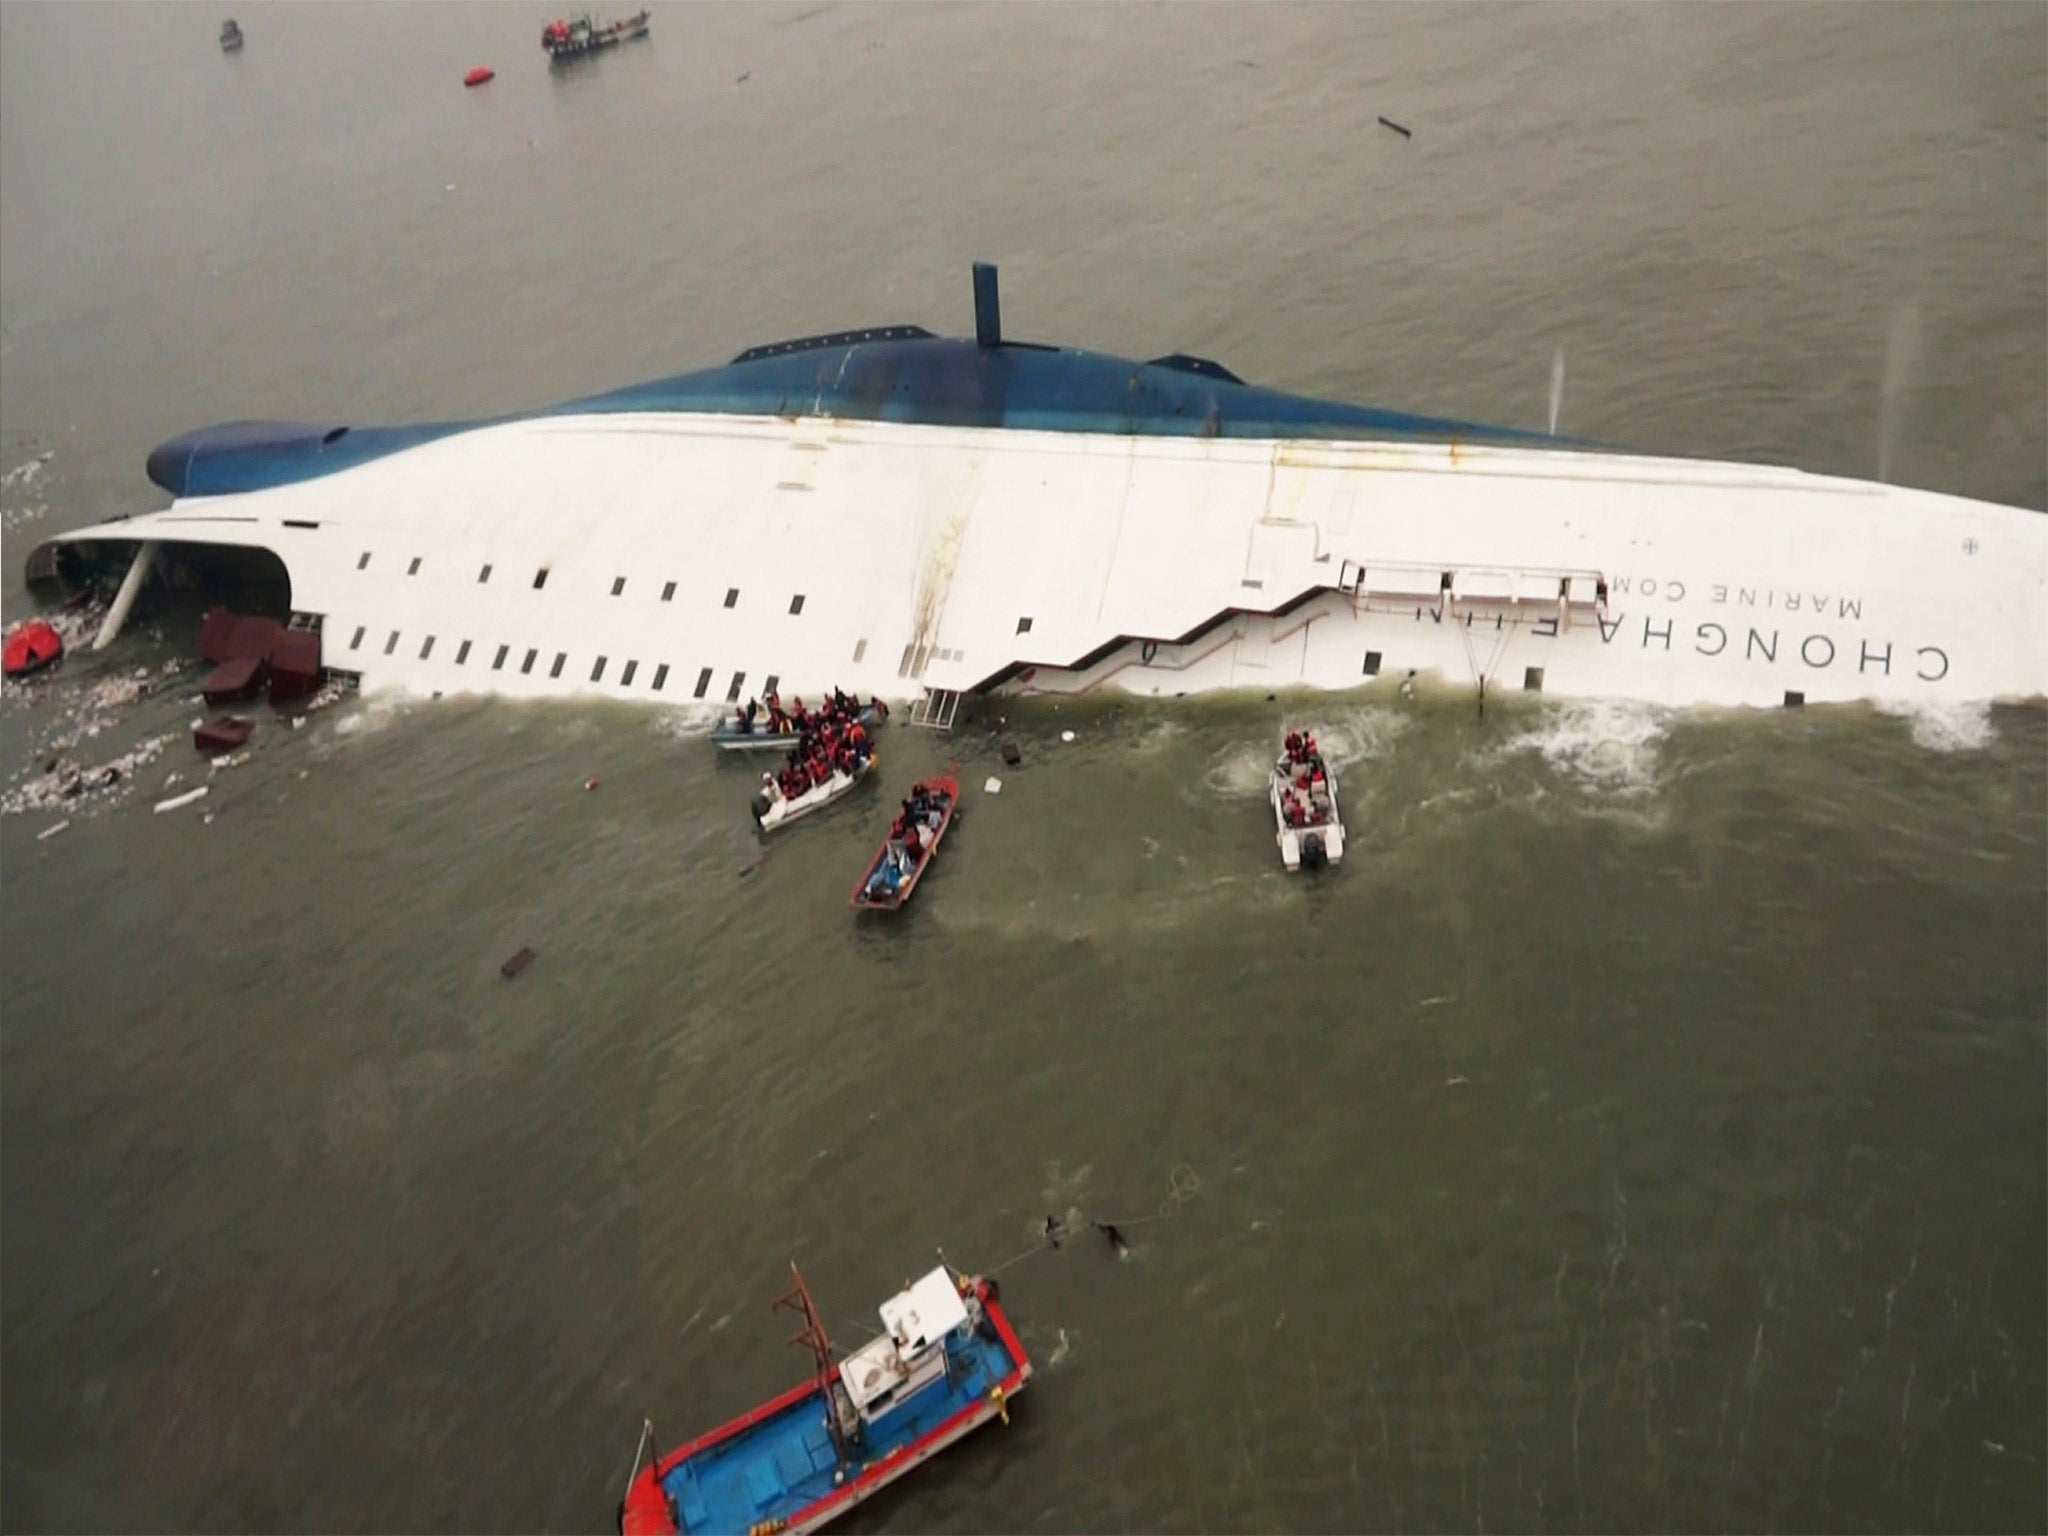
(1305, 798)
(826, 741)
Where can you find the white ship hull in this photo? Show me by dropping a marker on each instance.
(886, 558)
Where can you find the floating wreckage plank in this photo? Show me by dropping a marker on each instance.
(176, 802)
(517, 963)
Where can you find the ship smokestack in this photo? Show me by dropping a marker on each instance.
(988, 312)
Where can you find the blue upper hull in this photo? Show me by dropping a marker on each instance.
(898, 373)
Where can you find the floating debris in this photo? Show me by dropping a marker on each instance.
(517, 963)
(993, 786)
(49, 832)
(64, 784)
(1387, 122)
(1066, 735)
(1012, 753)
(178, 801)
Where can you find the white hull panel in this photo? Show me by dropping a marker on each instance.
(892, 559)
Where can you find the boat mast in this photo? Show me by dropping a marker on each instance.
(812, 1335)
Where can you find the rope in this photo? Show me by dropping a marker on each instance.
(1182, 1186)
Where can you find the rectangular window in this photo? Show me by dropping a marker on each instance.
(364, 563)
(774, 682)
(732, 594)
(540, 578)
(526, 666)
(498, 661)
(357, 643)
(483, 576)
(391, 644)
(618, 586)
(561, 661)
(414, 568)
(597, 672)
(703, 682)
(462, 653)
(668, 592)
(796, 605)
(1023, 626)
(732, 694)
(660, 676)
(1532, 679)
(427, 649)
(626, 677)
(1372, 663)
(860, 650)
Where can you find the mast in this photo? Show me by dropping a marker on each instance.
(812, 1335)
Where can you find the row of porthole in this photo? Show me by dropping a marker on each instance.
(597, 671)
(540, 580)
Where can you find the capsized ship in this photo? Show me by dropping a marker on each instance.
(927, 518)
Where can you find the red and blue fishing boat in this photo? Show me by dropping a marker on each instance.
(946, 1363)
(907, 852)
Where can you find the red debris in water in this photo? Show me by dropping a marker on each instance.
(478, 75)
(30, 648)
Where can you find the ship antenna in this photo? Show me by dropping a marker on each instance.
(1901, 353)
(1556, 387)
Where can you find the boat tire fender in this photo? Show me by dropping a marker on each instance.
(760, 807)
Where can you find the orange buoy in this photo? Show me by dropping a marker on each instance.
(478, 75)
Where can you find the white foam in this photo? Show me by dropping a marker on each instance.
(1359, 734)
(1240, 771)
(687, 722)
(1947, 727)
(1607, 744)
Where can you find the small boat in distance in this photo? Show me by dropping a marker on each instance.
(946, 1363)
(1303, 791)
(774, 810)
(907, 852)
(572, 39)
(230, 35)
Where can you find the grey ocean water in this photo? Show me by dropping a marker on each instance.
(1646, 1129)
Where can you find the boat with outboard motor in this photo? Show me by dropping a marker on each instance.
(1306, 821)
(566, 39)
(907, 852)
(774, 810)
(946, 1363)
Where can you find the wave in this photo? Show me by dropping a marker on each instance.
(1603, 744)
(1946, 727)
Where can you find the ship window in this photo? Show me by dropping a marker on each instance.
(526, 666)
(414, 568)
(1532, 679)
(364, 563)
(703, 682)
(774, 682)
(732, 597)
(391, 644)
(427, 649)
(561, 661)
(540, 578)
(498, 661)
(618, 585)
(1023, 626)
(626, 677)
(660, 676)
(1372, 663)
(732, 694)
(462, 653)
(597, 672)
(483, 576)
(668, 592)
(1794, 698)
(860, 649)
(796, 605)
(357, 643)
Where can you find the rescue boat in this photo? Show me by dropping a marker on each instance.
(1306, 823)
(946, 1363)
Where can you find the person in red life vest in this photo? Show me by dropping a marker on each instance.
(1294, 746)
(1309, 750)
